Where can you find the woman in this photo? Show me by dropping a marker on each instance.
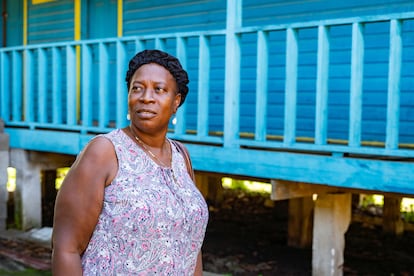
(128, 205)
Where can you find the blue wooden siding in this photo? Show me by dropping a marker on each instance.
(50, 20)
(14, 29)
(269, 12)
(341, 87)
(101, 19)
(152, 17)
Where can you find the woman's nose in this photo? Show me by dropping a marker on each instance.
(147, 94)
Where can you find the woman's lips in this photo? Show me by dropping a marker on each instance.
(146, 114)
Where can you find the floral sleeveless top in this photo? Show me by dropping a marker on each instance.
(153, 219)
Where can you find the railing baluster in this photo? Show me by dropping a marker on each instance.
(86, 86)
(121, 88)
(261, 86)
(5, 86)
(103, 112)
(357, 72)
(160, 44)
(394, 80)
(322, 86)
(139, 45)
(232, 75)
(182, 56)
(71, 85)
(57, 103)
(28, 86)
(42, 86)
(203, 87)
(290, 90)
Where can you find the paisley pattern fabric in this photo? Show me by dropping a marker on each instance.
(153, 219)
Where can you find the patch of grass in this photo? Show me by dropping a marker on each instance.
(26, 272)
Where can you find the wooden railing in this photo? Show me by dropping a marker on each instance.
(79, 86)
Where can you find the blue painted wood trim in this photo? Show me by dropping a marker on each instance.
(86, 86)
(354, 173)
(261, 86)
(203, 87)
(181, 117)
(4, 86)
(321, 116)
(50, 141)
(41, 87)
(394, 81)
(28, 97)
(291, 86)
(104, 78)
(357, 76)
(71, 104)
(57, 87)
(121, 88)
(232, 74)
(17, 88)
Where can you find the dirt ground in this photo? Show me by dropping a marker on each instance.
(244, 237)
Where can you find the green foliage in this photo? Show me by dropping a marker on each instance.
(26, 272)
(409, 214)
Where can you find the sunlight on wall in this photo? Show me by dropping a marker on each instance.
(11, 179)
(60, 175)
(407, 204)
(251, 186)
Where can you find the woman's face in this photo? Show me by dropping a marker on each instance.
(152, 98)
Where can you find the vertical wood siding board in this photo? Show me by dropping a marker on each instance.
(394, 80)
(291, 87)
(29, 86)
(121, 91)
(261, 86)
(203, 86)
(232, 74)
(181, 46)
(357, 71)
(42, 85)
(322, 86)
(71, 85)
(103, 65)
(5, 86)
(86, 86)
(57, 103)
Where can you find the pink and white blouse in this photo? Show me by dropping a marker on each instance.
(153, 219)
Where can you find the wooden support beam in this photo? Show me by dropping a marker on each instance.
(282, 189)
(392, 222)
(211, 187)
(331, 221)
(300, 224)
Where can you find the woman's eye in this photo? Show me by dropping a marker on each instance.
(160, 90)
(136, 88)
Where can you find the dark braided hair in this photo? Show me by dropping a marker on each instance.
(172, 64)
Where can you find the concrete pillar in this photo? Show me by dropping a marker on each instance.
(28, 194)
(4, 163)
(300, 223)
(331, 221)
(392, 222)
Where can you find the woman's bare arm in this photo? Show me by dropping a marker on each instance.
(199, 265)
(79, 203)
